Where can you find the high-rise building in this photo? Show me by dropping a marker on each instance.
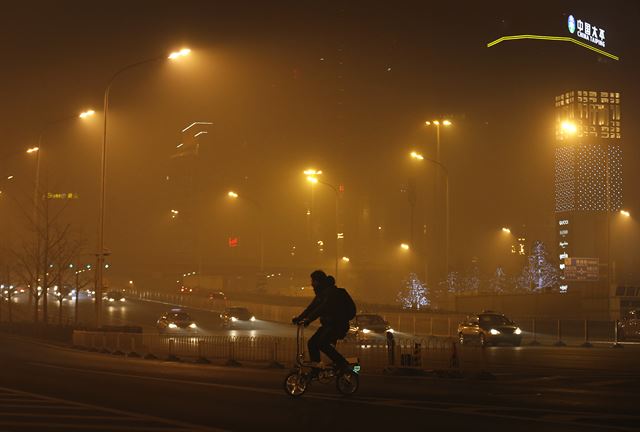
(588, 180)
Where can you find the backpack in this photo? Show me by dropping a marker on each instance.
(347, 309)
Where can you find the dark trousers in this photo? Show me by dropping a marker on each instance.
(324, 340)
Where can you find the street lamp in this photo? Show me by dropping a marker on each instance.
(87, 113)
(418, 156)
(313, 179)
(404, 246)
(177, 54)
(625, 213)
(506, 230)
(100, 252)
(234, 195)
(438, 123)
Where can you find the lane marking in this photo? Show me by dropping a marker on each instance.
(545, 415)
(131, 415)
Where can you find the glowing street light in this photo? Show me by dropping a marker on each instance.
(404, 246)
(87, 113)
(506, 230)
(625, 213)
(177, 54)
(345, 259)
(312, 179)
(232, 194)
(32, 150)
(417, 156)
(569, 127)
(312, 172)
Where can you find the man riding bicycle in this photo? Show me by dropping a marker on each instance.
(335, 308)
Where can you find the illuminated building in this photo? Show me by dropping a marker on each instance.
(588, 186)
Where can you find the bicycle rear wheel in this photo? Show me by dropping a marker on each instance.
(347, 382)
(295, 384)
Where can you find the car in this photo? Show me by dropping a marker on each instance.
(114, 296)
(489, 328)
(176, 321)
(367, 326)
(217, 301)
(629, 326)
(237, 316)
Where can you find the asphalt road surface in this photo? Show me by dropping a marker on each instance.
(45, 387)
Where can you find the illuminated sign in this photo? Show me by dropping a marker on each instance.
(571, 24)
(63, 196)
(564, 232)
(563, 244)
(233, 242)
(563, 222)
(564, 255)
(582, 269)
(581, 33)
(564, 288)
(586, 31)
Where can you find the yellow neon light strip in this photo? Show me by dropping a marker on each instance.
(553, 38)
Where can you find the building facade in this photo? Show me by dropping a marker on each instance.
(588, 189)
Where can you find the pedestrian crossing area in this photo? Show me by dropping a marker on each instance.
(21, 411)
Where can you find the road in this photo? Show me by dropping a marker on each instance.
(119, 393)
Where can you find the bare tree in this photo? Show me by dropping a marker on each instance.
(65, 253)
(37, 257)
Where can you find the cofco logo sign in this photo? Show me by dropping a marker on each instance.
(586, 31)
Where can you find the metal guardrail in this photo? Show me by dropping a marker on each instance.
(547, 331)
(374, 355)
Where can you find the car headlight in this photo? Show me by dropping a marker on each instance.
(192, 325)
(234, 319)
(253, 318)
(518, 331)
(122, 299)
(494, 332)
(112, 300)
(365, 331)
(173, 325)
(391, 330)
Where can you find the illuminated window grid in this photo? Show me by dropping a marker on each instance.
(595, 113)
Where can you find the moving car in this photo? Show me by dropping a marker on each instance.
(629, 326)
(366, 326)
(114, 296)
(489, 328)
(176, 321)
(237, 316)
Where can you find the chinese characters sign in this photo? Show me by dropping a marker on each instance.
(62, 196)
(582, 269)
(586, 31)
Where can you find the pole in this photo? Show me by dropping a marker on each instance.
(447, 227)
(100, 250)
(36, 191)
(100, 253)
(337, 229)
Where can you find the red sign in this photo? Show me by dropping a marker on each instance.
(233, 242)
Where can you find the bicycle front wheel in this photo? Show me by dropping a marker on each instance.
(347, 382)
(295, 384)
